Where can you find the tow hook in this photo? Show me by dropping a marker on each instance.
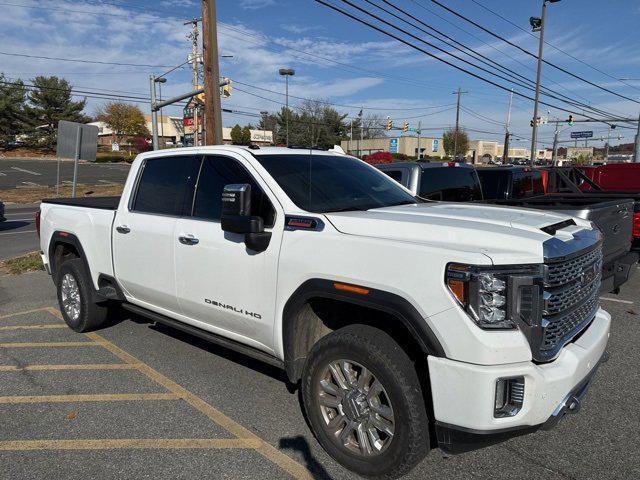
(572, 404)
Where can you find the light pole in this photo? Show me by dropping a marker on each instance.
(286, 73)
(538, 24)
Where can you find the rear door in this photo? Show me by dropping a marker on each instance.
(221, 285)
(144, 230)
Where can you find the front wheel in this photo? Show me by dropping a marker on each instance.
(79, 311)
(364, 402)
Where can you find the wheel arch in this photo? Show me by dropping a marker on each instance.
(301, 327)
(60, 243)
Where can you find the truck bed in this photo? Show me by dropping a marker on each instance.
(102, 203)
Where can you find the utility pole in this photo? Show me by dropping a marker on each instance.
(636, 150)
(554, 156)
(505, 153)
(154, 113)
(194, 65)
(536, 26)
(351, 137)
(606, 151)
(361, 129)
(455, 140)
(212, 107)
(419, 131)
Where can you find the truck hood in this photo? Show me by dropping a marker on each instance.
(505, 234)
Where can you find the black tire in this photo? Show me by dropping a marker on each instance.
(91, 315)
(390, 365)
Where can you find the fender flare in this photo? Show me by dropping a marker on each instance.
(62, 237)
(376, 299)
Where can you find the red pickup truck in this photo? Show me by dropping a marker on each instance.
(615, 176)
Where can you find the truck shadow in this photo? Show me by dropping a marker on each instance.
(11, 225)
(301, 445)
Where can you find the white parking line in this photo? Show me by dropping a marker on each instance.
(627, 302)
(20, 219)
(31, 184)
(26, 171)
(3, 174)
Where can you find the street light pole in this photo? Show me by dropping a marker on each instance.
(538, 23)
(286, 73)
(154, 113)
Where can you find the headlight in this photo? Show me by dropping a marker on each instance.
(496, 298)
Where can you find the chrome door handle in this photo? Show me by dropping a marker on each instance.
(123, 229)
(188, 239)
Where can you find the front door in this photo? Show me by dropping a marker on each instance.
(221, 285)
(144, 231)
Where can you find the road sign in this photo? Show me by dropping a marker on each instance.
(585, 134)
(435, 145)
(393, 145)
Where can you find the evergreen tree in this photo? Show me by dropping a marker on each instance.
(236, 135)
(49, 102)
(12, 103)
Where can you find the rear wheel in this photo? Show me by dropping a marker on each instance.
(74, 296)
(364, 403)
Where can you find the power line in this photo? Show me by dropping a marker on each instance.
(557, 67)
(336, 104)
(457, 67)
(553, 46)
(483, 58)
(76, 60)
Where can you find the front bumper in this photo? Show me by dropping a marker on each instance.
(464, 394)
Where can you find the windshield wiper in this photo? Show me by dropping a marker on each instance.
(349, 209)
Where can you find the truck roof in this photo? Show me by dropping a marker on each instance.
(423, 165)
(254, 149)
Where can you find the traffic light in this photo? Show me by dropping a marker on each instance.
(389, 123)
(537, 121)
(226, 87)
(570, 121)
(405, 127)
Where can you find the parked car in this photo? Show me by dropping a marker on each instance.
(524, 187)
(396, 317)
(2, 217)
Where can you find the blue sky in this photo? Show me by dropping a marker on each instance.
(389, 78)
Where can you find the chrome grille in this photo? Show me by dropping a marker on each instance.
(560, 273)
(559, 300)
(571, 299)
(564, 327)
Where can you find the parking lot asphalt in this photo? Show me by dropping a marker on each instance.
(33, 173)
(136, 400)
(18, 233)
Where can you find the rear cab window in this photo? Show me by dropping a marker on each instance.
(450, 184)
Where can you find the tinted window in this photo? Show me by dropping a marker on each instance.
(450, 184)
(166, 185)
(527, 184)
(330, 183)
(494, 183)
(218, 172)
(395, 174)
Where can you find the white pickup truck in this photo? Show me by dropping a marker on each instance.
(408, 324)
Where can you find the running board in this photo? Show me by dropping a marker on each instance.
(205, 335)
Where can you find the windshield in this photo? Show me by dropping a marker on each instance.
(332, 183)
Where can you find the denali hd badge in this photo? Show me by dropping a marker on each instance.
(224, 306)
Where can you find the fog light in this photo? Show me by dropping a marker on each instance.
(509, 397)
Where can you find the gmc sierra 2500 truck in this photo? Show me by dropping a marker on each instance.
(398, 317)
